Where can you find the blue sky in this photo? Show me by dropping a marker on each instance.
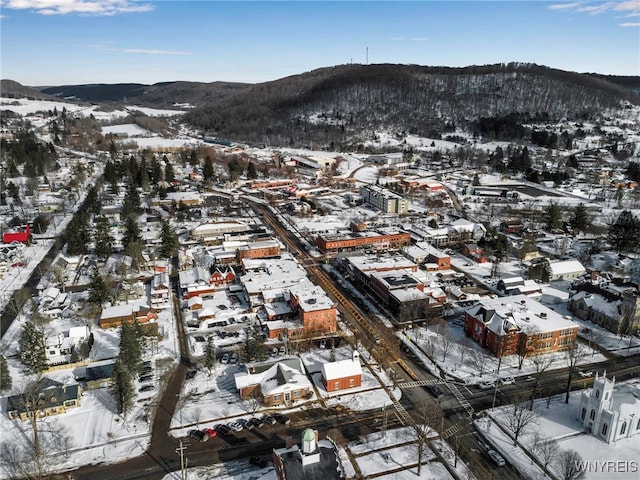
(53, 42)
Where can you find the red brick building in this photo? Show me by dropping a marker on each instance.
(518, 325)
(342, 374)
(362, 240)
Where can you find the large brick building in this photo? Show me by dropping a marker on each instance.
(376, 240)
(518, 325)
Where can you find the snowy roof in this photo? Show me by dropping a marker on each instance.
(566, 266)
(366, 263)
(408, 294)
(519, 312)
(193, 275)
(341, 369)
(311, 298)
(278, 377)
(277, 308)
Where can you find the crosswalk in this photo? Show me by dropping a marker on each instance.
(420, 383)
(405, 418)
(461, 399)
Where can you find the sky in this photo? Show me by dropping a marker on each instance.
(55, 42)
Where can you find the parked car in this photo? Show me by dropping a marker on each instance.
(584, 374)
(223, 430)
(256, 422)
(507, 381)
(191, 374)
(258, 461)
(209, 432)
(198, 435)
(233, 359)
(246, 423)
(146, 388)
(486, 385)
(146, 378)
(235, 426)
(282, 350)
(496, 458)
(269, 420)
(282, 418)
(225, 358)
(434, 390)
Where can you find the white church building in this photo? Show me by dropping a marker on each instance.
(610, 412)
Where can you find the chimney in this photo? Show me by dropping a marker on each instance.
(288, 441)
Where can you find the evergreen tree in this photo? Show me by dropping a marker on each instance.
(131, 232)
(624, 232)
(98, 288)
(131, 202)
(5, 376)
(210, 355)
(553, 216)
(156, 171)
(77, 233)
(254, 347)
(32, 349)
(168, 240)
(580, 218)
(251, 171)
(102, 238)
(208, 172)
(121, 388)
(130, 347)
(169, 174)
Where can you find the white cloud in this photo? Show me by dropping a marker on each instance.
(564, 6)
(420, 39)
(86, 7)
(150, 52)
(631, 8)
(629, 24)
(106, 46)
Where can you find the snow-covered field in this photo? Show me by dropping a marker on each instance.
(26, 107)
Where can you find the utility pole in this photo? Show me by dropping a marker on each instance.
(367, 57)
(180, 451)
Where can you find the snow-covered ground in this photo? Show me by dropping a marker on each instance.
(559, 422)
(26, 107)
(210, 399)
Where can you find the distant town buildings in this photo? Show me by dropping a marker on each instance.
(384, 200)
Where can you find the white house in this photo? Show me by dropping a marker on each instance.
(608, 412)
(566, 270)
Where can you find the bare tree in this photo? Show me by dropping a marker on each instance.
(569, 465)
(426, 422)
(254, 402)
(480, 361)
(463, 348)
(34, 455)
(574, 354)
(547, 449)
(526, 347)
(195, 415)
(447, 339)
(541, 364)
(519, 418)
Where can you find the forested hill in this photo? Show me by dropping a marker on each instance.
(164, 94)
(11, 89)
(335, 105)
